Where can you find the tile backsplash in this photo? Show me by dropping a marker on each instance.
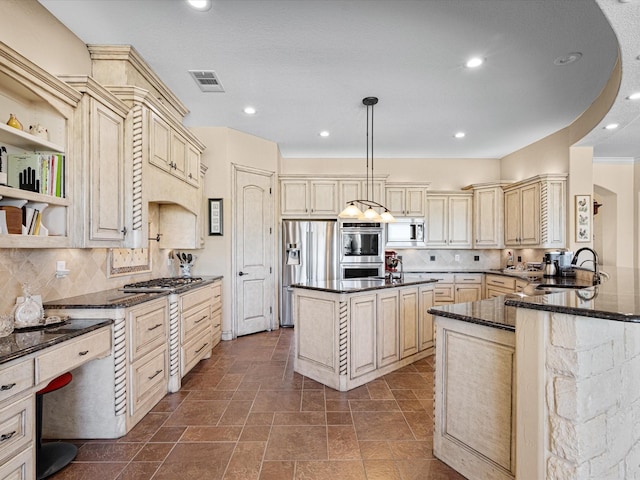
(87, 272)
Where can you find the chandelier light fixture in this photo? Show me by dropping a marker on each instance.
(352, 210)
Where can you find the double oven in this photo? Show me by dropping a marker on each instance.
(361, 249)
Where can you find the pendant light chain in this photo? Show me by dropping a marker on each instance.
(367, 182)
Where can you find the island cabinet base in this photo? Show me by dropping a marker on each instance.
(344, 340)
(475, 399)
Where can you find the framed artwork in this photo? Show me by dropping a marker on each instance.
(215, 216)
(583, 218)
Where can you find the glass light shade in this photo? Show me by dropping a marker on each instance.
(387, 217)
(351, 211)
(371, 214)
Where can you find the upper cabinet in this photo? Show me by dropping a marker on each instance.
(449, 220)
(535, 212)
(304, 196)
(99, 144)
(488, 215)
(36, 97)
(406, 200)
(163, 156)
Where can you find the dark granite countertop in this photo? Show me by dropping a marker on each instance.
(616, 298)
(23, 342)
(491, 312)
(116, 298)
(362, 284)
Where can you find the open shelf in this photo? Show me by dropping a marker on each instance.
(10, 192)
(21, 139)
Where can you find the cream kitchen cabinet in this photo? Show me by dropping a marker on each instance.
(163, 155)
(359, 190)
(449, 220)
(405, 200)
(488, 215)
(364, 334)
(409, 321)
(100, 141)
(35, 96)
(309, 197)
(535, 212)
(426, 300)
(468, 287)
(497, 285)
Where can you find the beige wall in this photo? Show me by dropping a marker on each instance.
(443, 173)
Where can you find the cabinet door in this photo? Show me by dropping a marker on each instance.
(193, 166)
(348, 190)
(437, 214)
(425, 319)
(388, 328)
(408, 322)
(376, 191)
(159, 143)
(530, 214)
(468, 293)
(106, 174)
(460, 222)
(395, 197)
(487, 218)
(363, 335)
(512, 217)
(294, 197)
(178, 160)
(414, 200)
(324, 197)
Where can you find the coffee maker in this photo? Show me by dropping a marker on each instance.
(557, 263)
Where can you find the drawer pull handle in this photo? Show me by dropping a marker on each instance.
(439, 293)
(203, 318)
(7, 436)
(83, 353)
(469, 279)
(154, 327)
(216, 326)
(158, 372)
(4, 388)
(496, 281)
(200, 349)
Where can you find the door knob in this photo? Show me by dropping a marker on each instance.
(242, 273)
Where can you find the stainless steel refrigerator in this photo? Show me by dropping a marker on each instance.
(309, 253)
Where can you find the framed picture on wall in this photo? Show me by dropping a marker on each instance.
(215, 216)
(583, 218)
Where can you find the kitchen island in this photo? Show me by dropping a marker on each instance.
(546, 386)
(350, 332)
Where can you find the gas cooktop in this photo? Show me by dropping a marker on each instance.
(166, 284)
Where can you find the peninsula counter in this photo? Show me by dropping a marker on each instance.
(350, 332)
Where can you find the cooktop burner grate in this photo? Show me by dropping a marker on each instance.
(161, 284)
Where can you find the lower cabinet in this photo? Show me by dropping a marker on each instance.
(468, 287)
(22, 466)
(17, 420)
(474, 429)
(345, 340)
(497, 285)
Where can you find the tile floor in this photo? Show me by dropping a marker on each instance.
(244, 414)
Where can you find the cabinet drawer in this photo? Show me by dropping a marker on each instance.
(442, 277)
(20, 467)
(17, 422)
(196, 297)
(72, 354)
(16, 378)
(508, 283)
(194, 351)
(468, 278)
(196, 321)
(148, 328)
(443, 292)
(149, 376)
(497, 292)
(216, 321)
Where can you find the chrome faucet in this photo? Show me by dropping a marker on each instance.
(596, 268)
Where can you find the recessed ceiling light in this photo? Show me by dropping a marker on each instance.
(634, 96)
(612, 126)
(250, 110)
(200, 5)
(474, 62)
(567, 59)
(324, 133)
(459, 135)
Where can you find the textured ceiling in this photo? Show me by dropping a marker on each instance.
(305, 65)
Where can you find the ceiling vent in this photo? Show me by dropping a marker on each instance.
(207, 80)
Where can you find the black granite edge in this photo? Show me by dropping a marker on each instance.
(582, 312)
(23, 352)
(365, 289)
(469, 319)
(521, 274)
(192, 286)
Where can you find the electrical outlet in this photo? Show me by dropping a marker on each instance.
(456, 258)
(432, 258)
(476, 258)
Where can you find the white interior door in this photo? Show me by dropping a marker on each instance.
(253, 251)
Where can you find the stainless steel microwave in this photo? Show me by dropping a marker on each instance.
(406, 232)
